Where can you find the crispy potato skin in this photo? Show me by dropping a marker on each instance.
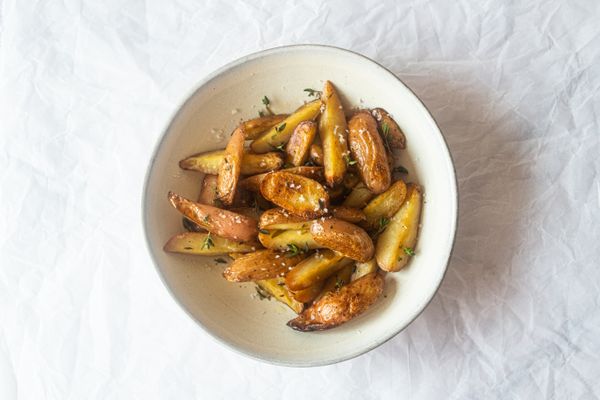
(262, 264)
(194, 243)
(316, 154)
(230, 169)
(359, 196)
(280, 133)
(298, 146)
(345, 238)
(209, 163)
(385, 205)
(280, 240)
(278, 218)
(400, 233)
(395, 136)
(252, 183)
(332, 131)
(296, 194)
(369, 152)
(257, 126)
(276, 288)
(316, 268)
(337, 307)
(309, 294)
(208, 191)
(348, 214)
(220, 222)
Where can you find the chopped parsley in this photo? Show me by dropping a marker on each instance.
(409, 251)
(293, 250)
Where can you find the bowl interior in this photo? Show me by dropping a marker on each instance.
(232, 312)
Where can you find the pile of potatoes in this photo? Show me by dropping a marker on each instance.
(310, 210)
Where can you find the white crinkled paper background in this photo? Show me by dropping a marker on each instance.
(86, 88)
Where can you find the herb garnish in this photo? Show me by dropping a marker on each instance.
(280, 127)
(385, 132)
(383, 223)
(409, 251)
(281, 147)
(338, 283)
(262, 293)
(313, 92)
(208, 242)
(266, 101)
(348, 160)
(293, 250)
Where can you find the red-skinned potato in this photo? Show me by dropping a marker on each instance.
(230, 170)
(262, 264)
(297, 149)
(343, 237)
(254, 128)
(252, 183)
(392, 133)
(295, 193)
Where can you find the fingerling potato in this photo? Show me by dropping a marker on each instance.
(276, 288)
(230, 169)
(395, 245)
(205, 244)
(332, 131)
(343, 237)
(390, 130)
(337, 280)
(208, 191)
(209, 163)
(314, 269)
(278, 218)
(297, 149)
(362, 269)
(316, 154)
(369, 152)
(385, 205)
(257, 126)
(262, 264)
(252, 183)
(348, 214)
(280, 133)
(284, 240)
(309, 294)
(337, 307)
(296, 194)
(359, 196)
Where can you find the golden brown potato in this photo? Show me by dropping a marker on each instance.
(369, 152)
(279, 219)
(381, 208)
(299, 144)
(343, 237)
(290, 240)
(390, 130)
(348, 214)
(359, 196)
(230, 169)
(332, 131)
(314, 269)
(252, 183)
(280, 133)
(205, 244)
(250, 212)
(337, 307)
(309, 294)
(335, 193)
(262, 264)
(362, 269)
(296, 194)
(316, 154)
(220, 222)
(209, 163)
(351, 179)
(235, 256)
(337, 280)
(395, 246)
(208, 192)
(276, 288)
(257, 126)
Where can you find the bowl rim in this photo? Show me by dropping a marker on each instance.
(178, 109)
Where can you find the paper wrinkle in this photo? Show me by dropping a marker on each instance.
(87, 89)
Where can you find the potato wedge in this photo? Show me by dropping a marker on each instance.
(316, 154)
(343, 237)
(230, 169)
(359, 196)
(220, 222)
(385, 205)
(252, 183)
(337, 280)
(314, 269)
(250, 212)
(235, 256)
(332, 131)
(191, 226)
(209, 163)
(299, 239)
(204, 245)
(395, 245)
(351, 179)
(362, 269)
(208, 191)
(296, 194)
(337, 307)
(298, 146)
(279, 219)
(262, 264)
(336, 193)
(369, 152)
(309, 294)
(348, 214)
(391, 132)
(280, 133)
(257, 126)
(276, 288)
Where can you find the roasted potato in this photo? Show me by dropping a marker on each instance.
(209, 163)
(220, 222)
(369, 152)
(314, 269)
(309, 294)
(191, 226)
(280, 133)
(389, 129)
(337, 307)
(235, 256)
(252, 183)
(262, 264)
(382, 207)
(335, 193)
(276, 288)
(359, 196)
(316, 154)
(296, 194)
(299, 144)
(230, 169)
(343, 237)
(293, 240)
(395, 246)
(332, 131)
(257, 126)
(337, 280)
(362, 269)
(208, 191)
(279, 219)
(351, 179)
(250, 212)
(205, 244)
(348, 214)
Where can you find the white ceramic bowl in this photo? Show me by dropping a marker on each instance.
(230, 312)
